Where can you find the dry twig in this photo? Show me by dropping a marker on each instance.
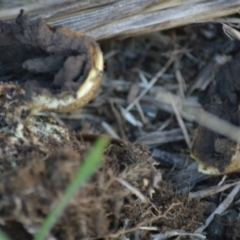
(221, 208)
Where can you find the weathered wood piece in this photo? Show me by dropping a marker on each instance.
(123, 18)
(107, 19)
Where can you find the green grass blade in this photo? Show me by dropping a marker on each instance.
(3, 236)
(91, 163)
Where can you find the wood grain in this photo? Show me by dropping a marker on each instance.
(105, 19)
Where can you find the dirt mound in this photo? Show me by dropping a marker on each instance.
(126, 193)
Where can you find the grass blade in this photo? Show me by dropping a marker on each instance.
(90, 165)
(3, 236)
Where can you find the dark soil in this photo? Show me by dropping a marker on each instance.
(104, 207)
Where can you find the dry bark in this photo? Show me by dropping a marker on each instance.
(122, 18)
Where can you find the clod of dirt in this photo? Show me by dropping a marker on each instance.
(217, 228)
(125, 193)
(215, 153)
(225, 227)
(232, 229)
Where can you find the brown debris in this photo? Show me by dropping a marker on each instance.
(42, 68)
(211, 149)
(104, 204)
(215, 153)
(47, 68)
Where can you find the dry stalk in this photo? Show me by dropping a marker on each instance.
(123, 18)
(220, 209)
(211, 190)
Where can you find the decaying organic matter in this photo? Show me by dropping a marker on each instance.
(42, 68)
(47, 68)
(217, 154)
(127, 192)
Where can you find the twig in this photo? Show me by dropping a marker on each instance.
(220, 209)
(170, 234)
(134, 190)
(211, 191)
(181, 123)
(151, 83)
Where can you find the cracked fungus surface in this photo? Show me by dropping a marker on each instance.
(42, 68)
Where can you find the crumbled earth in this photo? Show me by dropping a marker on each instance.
(104, 206)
